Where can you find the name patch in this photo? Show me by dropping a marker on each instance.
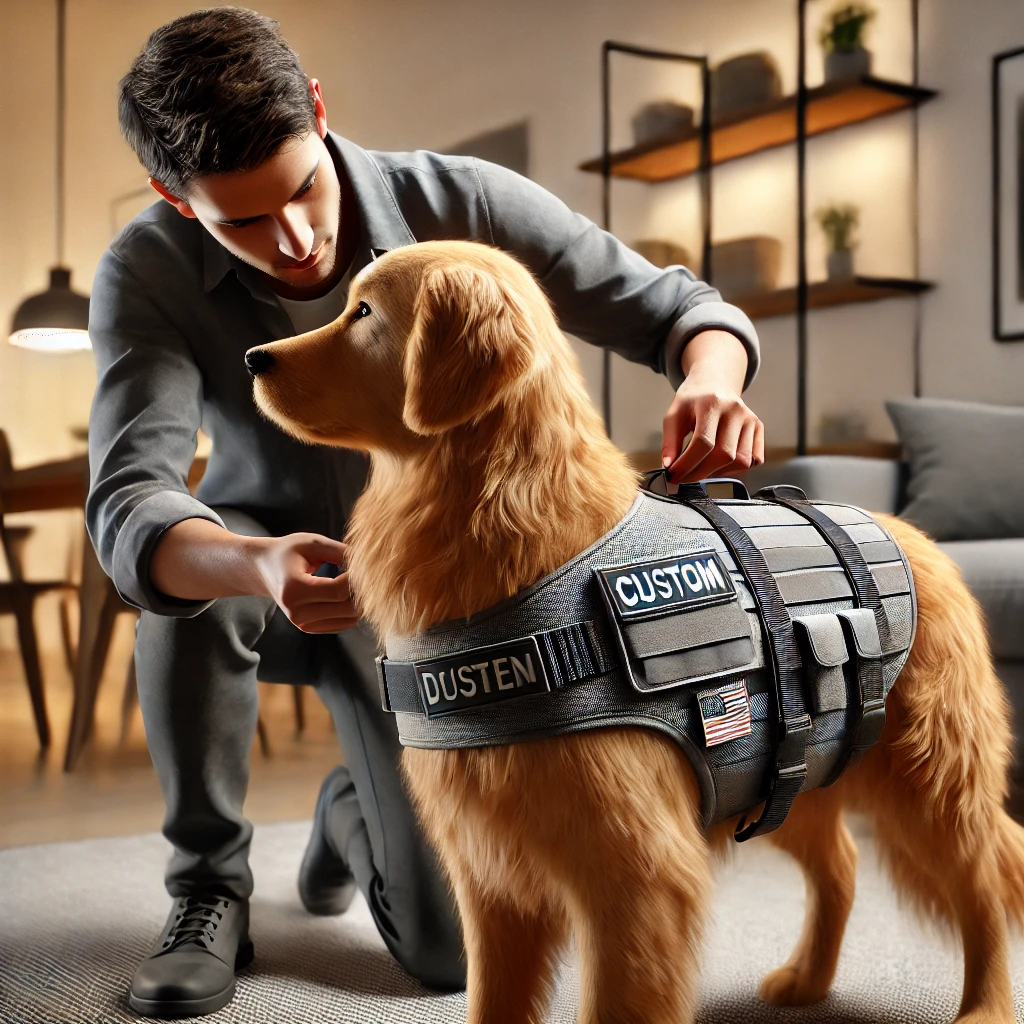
(646, 587)
(484, 675)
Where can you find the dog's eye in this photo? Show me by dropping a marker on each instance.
(361, 310)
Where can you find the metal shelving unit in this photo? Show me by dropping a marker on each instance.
(790, 120)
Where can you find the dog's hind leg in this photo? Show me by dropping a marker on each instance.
(936, 781)
(510, 956)
(958, 882)
(816, 836)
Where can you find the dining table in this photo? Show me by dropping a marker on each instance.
(64, 484)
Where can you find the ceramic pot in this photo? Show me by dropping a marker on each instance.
(840, 264)
(847, 64)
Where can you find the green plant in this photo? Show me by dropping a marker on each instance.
(843, 30)
(838, 223)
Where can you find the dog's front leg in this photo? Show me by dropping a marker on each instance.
(510, 954)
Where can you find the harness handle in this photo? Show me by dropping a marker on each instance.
(739, 488)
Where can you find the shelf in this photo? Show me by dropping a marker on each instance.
(829, 106)
(821, 294)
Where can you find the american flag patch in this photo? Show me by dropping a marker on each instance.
(725, 712)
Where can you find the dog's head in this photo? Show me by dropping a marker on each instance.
(435, 335)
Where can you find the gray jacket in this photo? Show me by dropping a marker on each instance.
(173, 313)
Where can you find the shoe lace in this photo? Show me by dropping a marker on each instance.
(197, 920)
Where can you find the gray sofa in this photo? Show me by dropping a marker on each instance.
(993, 569)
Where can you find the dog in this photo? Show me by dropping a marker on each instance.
(490, 469)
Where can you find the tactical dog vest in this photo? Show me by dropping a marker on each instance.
(761, 635)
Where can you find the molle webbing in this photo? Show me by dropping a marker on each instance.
(867, 727)
(761, 635)
(783, 657)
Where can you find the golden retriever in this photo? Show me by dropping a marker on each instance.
(490, 469)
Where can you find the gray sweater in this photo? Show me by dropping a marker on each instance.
(173, 313)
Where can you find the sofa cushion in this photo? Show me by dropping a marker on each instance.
(994, 570)
(965, 467)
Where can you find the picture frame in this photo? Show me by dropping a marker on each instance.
(1008, 195)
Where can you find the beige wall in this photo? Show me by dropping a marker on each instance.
(403, 74)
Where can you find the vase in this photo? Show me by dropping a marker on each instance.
(847, 64)
(840, 264)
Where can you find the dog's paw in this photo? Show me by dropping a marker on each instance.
(788, 986)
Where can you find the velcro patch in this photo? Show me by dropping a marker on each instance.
(483, 675)
(643, 588)
(725, 712)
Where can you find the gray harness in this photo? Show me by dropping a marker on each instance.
(761, 635)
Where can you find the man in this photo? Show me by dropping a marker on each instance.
(266, 216)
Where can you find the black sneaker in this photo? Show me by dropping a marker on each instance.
(326, 885)
(191, 969)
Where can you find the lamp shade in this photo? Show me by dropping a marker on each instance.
(56, 320)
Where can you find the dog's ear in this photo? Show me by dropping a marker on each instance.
(468, 343)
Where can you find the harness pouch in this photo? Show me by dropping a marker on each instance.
(861, 630)
(677, 620)
(824, 651)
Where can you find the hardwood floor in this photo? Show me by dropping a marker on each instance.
(114, 790)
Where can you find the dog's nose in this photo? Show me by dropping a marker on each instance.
(257, 360)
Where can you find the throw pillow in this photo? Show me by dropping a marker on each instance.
(966, 467)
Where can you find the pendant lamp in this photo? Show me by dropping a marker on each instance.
(56, 320)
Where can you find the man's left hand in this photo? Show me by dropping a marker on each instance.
(725, 436)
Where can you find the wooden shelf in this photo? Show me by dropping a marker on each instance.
(821, 294)
(830, 106)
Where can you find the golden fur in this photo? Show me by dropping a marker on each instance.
(490, 470)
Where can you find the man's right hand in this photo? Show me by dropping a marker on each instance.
(316, 604)
(199, 560)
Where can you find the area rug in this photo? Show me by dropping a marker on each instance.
(76, 917)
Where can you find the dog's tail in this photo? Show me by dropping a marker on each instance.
(1010, 853)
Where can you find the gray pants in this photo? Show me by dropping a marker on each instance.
(198, 694)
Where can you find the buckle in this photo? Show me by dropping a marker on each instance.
(772, 493)
(871, 724)
(382, 682)
(793, 740)
(793, 771)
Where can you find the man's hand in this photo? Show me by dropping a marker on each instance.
(316, 604)
(725, 436)
(200, 561)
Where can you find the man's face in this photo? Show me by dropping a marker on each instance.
(281, 217)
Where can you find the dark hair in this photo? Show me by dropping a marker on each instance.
(214, 91)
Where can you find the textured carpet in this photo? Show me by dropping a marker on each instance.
(76, 917)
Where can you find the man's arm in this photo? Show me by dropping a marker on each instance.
(606, 294)
(166, 551)
(146, 413)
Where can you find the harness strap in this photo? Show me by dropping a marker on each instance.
(870, 719)
(786, 665)
(571, 654)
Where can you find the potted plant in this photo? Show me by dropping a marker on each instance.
(842, 36)
(838, 223)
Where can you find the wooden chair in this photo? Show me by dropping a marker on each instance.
(17, 598)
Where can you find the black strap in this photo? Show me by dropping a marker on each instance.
(794, 724)
(870, 720)
(571, 654)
